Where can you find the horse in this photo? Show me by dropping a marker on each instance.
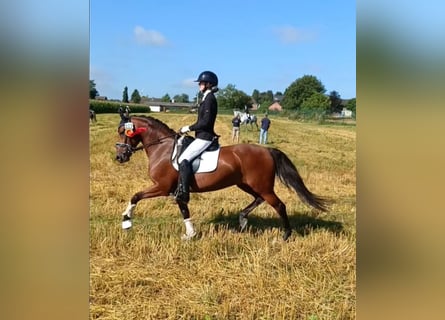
(251, 119)
(252, 168)
(92, 116)
(124, 113)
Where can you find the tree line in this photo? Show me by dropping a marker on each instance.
(306, 96)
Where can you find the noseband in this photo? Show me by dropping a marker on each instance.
(129, 150)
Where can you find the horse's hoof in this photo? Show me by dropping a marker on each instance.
(287, 234)
(242, 223)
(126, 224)
(188, 236)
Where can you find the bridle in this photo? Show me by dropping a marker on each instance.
(129, 149)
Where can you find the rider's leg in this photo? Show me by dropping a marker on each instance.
(185, 168)
(185, 172)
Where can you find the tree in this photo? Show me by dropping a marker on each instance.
(93, 92)
(181, 98)
(315, 107)
(300, 90)
(231, 98)
(135, 96)
(317, 101)
(125, 95)
(263, 98)
(166, 98)
(351, 105)
(256, 96)
(335, 99)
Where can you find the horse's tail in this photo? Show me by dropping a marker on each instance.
(289, 176)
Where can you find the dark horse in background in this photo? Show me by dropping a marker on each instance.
(92, 116)
(124, 113)
(250, 167)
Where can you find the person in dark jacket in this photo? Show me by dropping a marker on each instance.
(265, 124)
(236, 122)
(204, 133)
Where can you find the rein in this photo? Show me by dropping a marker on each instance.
(157, 141)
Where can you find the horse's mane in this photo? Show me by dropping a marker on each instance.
(156, 123)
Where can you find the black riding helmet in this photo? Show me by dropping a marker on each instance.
(208, 76)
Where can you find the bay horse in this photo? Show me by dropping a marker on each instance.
(250, 167)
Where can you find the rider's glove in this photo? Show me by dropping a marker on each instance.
(184, 129)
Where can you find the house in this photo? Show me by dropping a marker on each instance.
(345, 113)
(276, 106)
(155, 108)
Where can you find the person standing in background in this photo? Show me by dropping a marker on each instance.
(236, 122)
(265, 124)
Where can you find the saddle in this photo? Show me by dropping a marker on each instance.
(206, 162)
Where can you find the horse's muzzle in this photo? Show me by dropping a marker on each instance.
(122, 158)
(124, 152)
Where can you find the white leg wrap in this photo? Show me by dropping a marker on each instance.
(189, 230)
(129, 210)
(126, 224)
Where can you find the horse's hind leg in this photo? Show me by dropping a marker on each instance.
(280, 208)
(245, 212)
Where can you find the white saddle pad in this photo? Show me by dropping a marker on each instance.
(208, 161)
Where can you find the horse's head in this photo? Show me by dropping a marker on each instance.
(129, 138)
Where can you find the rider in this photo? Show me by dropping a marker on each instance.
(204, 132)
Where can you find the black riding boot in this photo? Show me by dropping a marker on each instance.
(185, 172)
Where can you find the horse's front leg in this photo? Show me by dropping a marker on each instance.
(126, 216)
(154, 191)
(189, 229)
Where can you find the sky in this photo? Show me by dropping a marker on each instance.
(160, 47)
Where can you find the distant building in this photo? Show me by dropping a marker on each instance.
(345, 113)
(255, 106)
(276, 106)
(155, 108)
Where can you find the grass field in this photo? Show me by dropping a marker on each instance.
(149, 273)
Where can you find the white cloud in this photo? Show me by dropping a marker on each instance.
(289, 34)
(149, 37)
(189, 83)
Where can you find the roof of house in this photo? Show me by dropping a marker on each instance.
(275, 106)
